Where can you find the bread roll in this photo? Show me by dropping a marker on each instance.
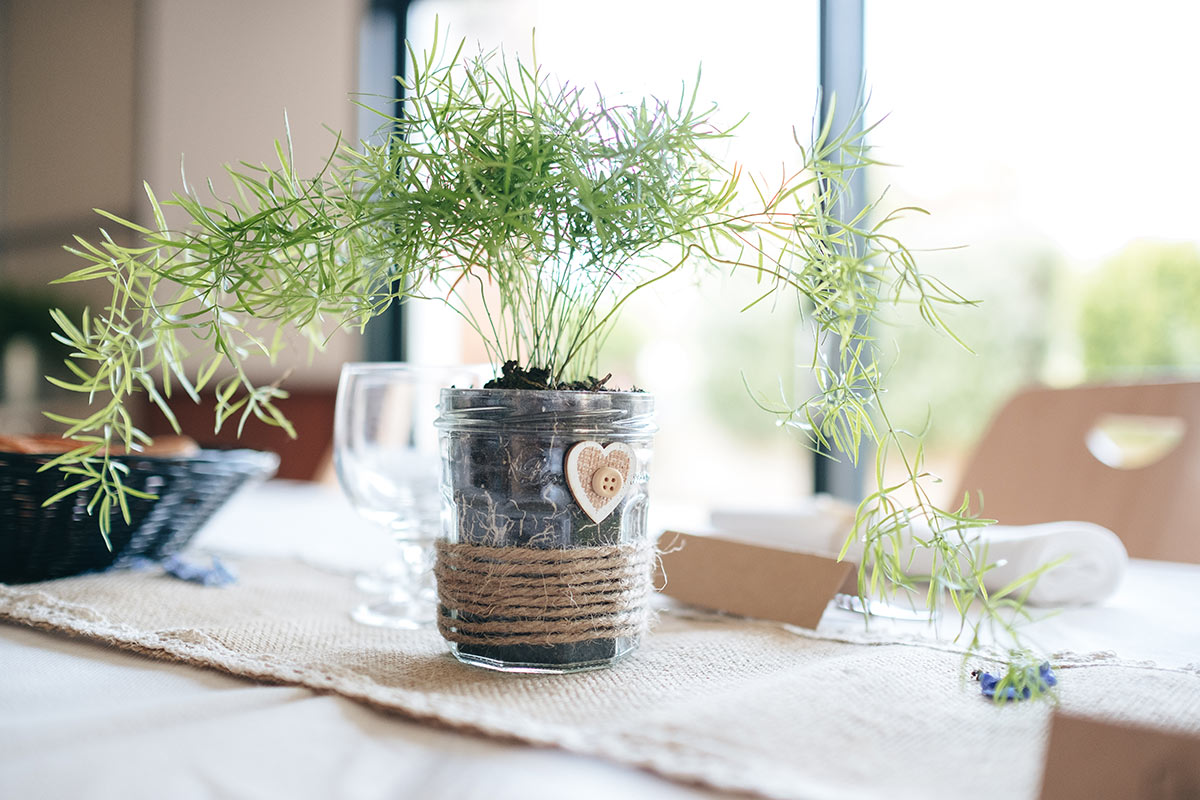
(162, 447)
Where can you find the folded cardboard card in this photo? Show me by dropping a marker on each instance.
(750, 580)
(1089, 758)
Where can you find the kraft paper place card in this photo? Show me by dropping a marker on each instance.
(748, 579)
(1090, 759)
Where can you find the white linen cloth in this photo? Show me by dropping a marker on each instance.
(1093, 559)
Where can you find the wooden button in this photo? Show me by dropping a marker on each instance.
(606, 482)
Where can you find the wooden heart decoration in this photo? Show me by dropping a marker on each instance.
(598, 477)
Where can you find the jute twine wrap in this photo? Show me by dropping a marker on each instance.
(522, 595)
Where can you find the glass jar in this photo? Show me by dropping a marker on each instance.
(509, 510)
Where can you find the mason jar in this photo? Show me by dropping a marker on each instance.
(545, 564)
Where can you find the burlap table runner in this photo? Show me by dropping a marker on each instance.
(732, 704)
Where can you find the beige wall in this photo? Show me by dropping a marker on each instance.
(68, 127)
(224, 72)
(69, 109)
(98, 96)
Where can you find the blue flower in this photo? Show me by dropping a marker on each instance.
(1043, 678)
(216, 575)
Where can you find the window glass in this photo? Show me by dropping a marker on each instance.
(1053, 144)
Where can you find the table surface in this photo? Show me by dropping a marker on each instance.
(81, 720)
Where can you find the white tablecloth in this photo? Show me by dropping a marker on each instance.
(80, 720)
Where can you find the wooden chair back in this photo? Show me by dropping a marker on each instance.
(1044, 458)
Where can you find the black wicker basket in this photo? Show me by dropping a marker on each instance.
(39, 543)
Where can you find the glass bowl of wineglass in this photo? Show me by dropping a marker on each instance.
(388, 464)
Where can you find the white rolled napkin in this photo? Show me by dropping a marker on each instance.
(1094, 563)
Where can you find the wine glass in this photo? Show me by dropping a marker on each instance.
(388, 464)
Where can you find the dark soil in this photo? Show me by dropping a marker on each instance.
(514, 376)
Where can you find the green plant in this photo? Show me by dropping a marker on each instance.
(491, 175)
(1012, 337)
(1138, 311)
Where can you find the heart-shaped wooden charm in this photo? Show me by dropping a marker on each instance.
(598, 477)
